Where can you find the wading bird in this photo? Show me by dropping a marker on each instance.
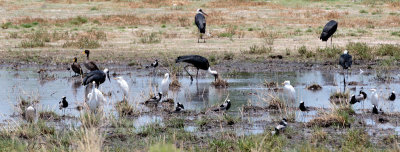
(198, 62)
(96, 98)
(76, 67)
(90, 65)
(374, 101)
(96, 76)
(165, 84)
(179, 107)
(123, 85)
(154, 64)
(281, 127)
(302, 107)
(289, 91)
(63, 104)
(155, 99)
(30, 114)
(392, 96)
(345, 60)
(358, 98)
(328, 31)
(200, 21)
(225, 106)
(374, 110)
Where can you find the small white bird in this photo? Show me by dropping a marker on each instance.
(123, 85)
(96, 98)
(361, 71)
(165, 84)
(374, 98)
(289, 91)
(30, 114)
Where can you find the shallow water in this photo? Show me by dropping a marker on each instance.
(243, 88)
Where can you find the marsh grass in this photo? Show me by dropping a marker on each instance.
(48, 115)
(254, 49)
(175, 123)
(339, 115)
(124, 108)
(220, 83)
(339, 97)
(150, 38)
(90, 119)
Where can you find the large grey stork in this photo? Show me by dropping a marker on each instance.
(329, 29)
(200, 21)
(198, 62)
(345, 60)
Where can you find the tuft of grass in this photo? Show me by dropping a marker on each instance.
(275, 103)
(356, 140)
(151, 130)
(175, 123)
(338, 116)
(150, 38)
(363, 11)
(339, 97)
(318, 135)
(125, 109)
(94, 9)
(329, 52)
(254, 49)
(202, 122)
(79, 20)
(89, 119)
(48, 115)
(6, 25)
(220, 83)
(83, 42)
(162, 147)
(361, 50)
(395, 33)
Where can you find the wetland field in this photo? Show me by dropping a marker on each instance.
(255, 45)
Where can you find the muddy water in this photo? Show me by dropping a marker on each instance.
(243, 88)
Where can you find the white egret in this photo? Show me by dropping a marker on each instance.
(96, 98)
(123, 85)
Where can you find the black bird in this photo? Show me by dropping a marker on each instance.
(374, 110)
(358, 98)
(302, 107)
(76, 67)
(328, 31)
(179, 107)
(97, 76)
(364, 94)
(392, 96)
(345, 60)
(198, 62)
(155, 99)
(200, 21)
(63, 104)
(281, 126)
(90, 65)
(225, 106)
(154, 64)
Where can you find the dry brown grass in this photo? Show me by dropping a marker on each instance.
(220, 83)
(240, 3)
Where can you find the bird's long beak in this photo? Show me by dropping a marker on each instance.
(204, 13)
(108, 75)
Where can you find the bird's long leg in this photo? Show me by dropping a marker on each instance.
(197, 75)
(191, 77)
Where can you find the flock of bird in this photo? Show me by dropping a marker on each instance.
(95, 77)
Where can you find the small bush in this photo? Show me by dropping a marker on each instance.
(6, 25)
(363, 11)
(361, 50)
(395, 33)
(388, 50)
